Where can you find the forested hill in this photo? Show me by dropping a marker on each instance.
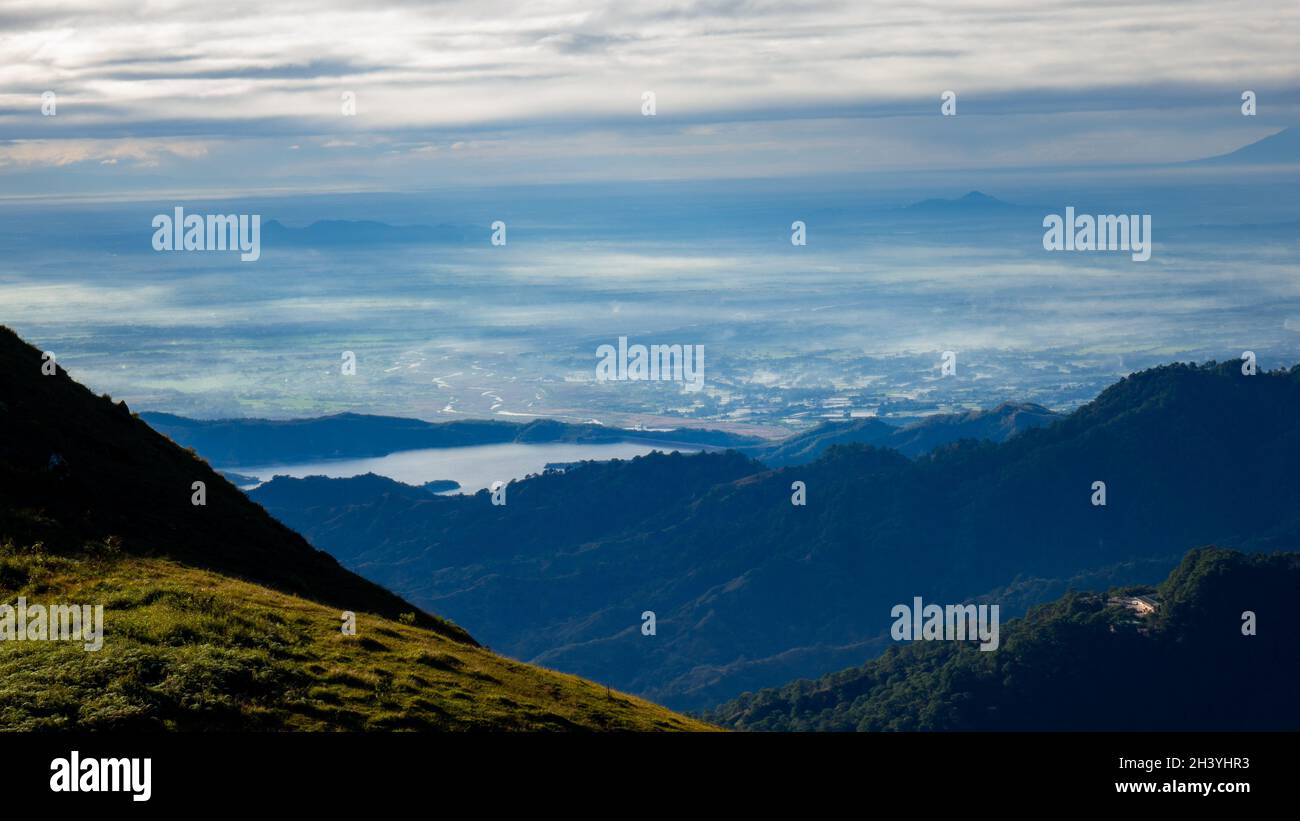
(1087, 661)
(753, 591)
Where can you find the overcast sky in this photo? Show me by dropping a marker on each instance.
(245, 96)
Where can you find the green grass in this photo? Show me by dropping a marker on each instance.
(189, 649)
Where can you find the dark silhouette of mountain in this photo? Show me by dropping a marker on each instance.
(441, 485)
(360, 232)
(242, 442)
(1086, 662)
(973, 203)
(323, 491)
(216, 616)
(283, 491)
(914, 439)
(1282, 148)
(751, 591)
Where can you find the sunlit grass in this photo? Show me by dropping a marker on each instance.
(187, 649)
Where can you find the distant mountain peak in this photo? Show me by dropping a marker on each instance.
(970, 202)
(1282, 147)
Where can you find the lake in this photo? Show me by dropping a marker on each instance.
(474, 467)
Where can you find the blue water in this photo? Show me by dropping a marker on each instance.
(474, 467)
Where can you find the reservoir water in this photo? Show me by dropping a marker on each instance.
(474, 467)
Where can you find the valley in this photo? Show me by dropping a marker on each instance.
(750, 591)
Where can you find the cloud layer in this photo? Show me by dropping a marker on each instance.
(734, 80)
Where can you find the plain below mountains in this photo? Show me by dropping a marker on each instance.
(750, 590)
(216, 616)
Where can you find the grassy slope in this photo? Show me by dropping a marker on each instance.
(218, 616)
(189, 649)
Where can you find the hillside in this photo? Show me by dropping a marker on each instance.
(76, 469)
(1083, 662)
(192, 650)
(751, 591)
(217, 616)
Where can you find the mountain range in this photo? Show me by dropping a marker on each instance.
(751, 590)
(220, 617)
(244, 442)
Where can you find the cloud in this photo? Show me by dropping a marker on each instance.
(733, 78)
(461, 63)
(56, 153)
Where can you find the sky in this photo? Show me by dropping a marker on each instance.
(247, 97)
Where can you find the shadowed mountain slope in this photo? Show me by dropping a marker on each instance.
(1085, 662)
(750, 590)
